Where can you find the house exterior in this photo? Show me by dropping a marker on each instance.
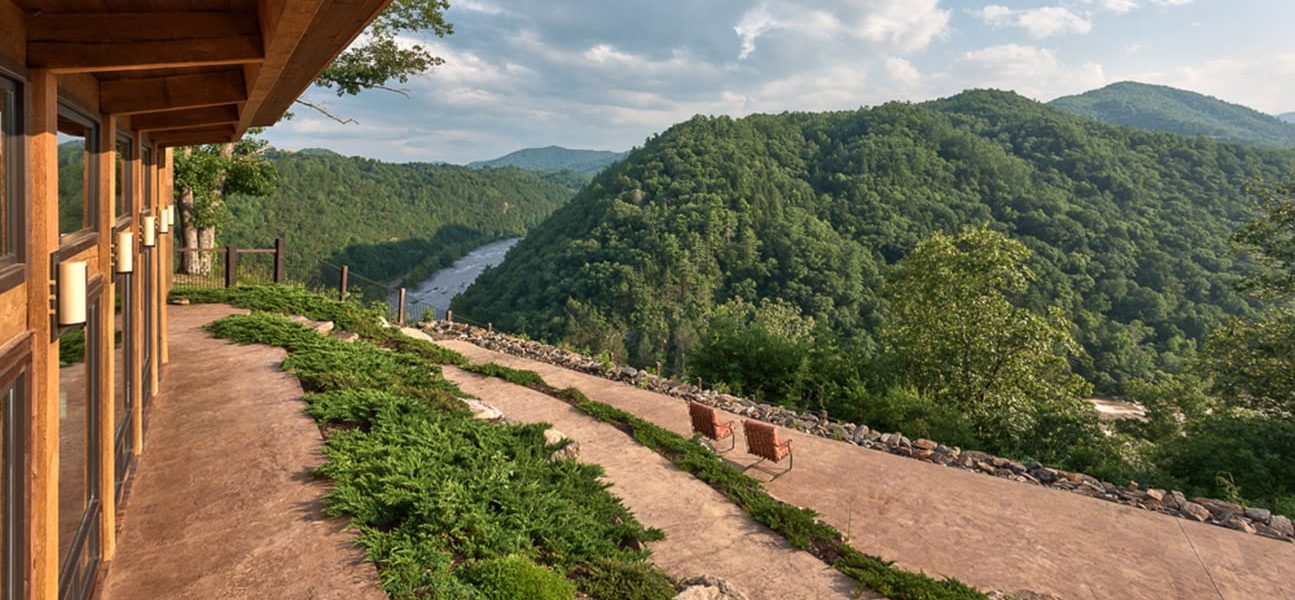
(94, 95)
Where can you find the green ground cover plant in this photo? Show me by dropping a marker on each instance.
(448, 506)
(800, 526)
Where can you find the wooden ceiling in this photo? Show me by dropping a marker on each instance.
(194, 71)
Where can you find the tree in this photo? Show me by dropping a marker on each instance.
(204, 176)
(1271, 239)
(954, 334)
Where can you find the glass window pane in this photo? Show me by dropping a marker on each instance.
(75, 192)
(6, 146)
(121, 195)
(73, 436)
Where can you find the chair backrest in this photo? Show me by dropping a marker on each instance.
(761, 439)
(704, 419)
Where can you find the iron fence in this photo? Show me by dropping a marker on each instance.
(229, 266)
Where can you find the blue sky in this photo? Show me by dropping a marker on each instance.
(607, 74)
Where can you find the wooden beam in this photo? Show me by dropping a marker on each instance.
(126, 96)
(88, 42)
(186, 118)
(192, 137)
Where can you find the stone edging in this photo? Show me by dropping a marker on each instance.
(1250, 520)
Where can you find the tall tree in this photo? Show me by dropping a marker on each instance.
(205, 174)
(957, 336)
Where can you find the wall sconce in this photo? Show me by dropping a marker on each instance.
(149, 235)
(165, 225)
(71, 292)
(125, 251)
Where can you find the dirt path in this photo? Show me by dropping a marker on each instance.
(705, 533)
(988, 532)
(222, 505)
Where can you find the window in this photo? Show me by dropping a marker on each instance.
(122, 190)
(77, 198)
(13, 402)
(78, 472)
(122, 406)
(11, 193)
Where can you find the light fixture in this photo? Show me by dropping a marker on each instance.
(71, 292)
(148, 237)
(125, 252)
(165, 225)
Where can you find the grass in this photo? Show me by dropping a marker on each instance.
(613, 576)
(448, 506)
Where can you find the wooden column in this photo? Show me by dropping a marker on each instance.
(136, 349)
(166, 197)
(107, 182)
(42, 458)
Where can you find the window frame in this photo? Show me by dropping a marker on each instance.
(121, 220)
(74, 242)
(16, 376)
(13, 253)
(74, 582)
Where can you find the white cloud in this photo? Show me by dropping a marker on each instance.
(1118, 7)
(1034, 72)
(906, 25)
(1265, 83)
(1039, 23)
(902, 72)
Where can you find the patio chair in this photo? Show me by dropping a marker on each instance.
(705, 420)
(762, 441)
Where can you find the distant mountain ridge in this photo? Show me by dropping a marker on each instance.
(1288, 117)
(1163, 108)
(551, 159)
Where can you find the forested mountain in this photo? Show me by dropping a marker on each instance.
(1129, 230)
(552, 159)
(1287, 117)
(385, 220)
(1163, 108)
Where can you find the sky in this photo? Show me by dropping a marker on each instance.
(607, 74)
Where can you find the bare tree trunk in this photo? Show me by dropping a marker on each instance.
(189, 263)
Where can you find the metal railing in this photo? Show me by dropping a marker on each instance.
(229, 266)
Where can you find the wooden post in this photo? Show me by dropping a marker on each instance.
(107, 328)
(400, 311)
(42, 456)
(449, 315)
(490, 327)
(278, 260)
(346, 271)
(231, 267)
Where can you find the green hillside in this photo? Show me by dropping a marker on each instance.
(554, 159)
(1287, 117)
(385, 220)
(1162, 108)
(1130, 230)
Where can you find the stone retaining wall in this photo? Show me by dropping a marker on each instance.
(1173, 502)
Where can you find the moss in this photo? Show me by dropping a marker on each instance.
(515, 577)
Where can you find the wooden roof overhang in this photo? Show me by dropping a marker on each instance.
(194, 71)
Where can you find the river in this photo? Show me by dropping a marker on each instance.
(446, 283)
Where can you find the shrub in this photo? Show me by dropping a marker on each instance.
(515, 577)
(624, 580)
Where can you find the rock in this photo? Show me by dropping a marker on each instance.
(1154, 496)
(861, 434)
(300, 320)
(1175, 500)
(1221, 510)
(1282, 525)
(180, 302)
(1195, 511)
(347, 336)
(925, 444)
(483, 411)
(323, 328)
(628, 372)
(571, 450)
(1240, 524)
(709, 588)
(1258, 514)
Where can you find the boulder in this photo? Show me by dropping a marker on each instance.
(483, 411)
(347, 336)
(1282, 525)
(1195, 511)
(1154, 496)
(1175, 500)
(709, 588)
(569, 451)
(1221, 510)
(323, 328)
(1240, 524)
(1258, 514)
